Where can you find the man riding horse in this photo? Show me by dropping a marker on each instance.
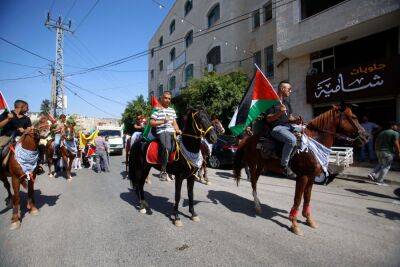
(280, 119)
(164, 120)
(58, 131)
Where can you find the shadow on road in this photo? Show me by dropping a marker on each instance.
(369, 193)
(40, 201)
(226, 175)
(124, 174)
(240, 204)
(397, 192)
(388, 214)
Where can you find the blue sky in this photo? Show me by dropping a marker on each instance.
(115, 29)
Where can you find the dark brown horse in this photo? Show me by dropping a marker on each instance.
(28, 144)
(67, 155)
(197, 125)
(335, 123)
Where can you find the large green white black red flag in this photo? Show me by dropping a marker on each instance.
(259, 97)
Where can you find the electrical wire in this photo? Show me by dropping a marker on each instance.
(86, 16)
(23, 65)
(26, 50)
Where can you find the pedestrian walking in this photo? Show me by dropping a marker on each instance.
(101, 153)
(386, 145)
(371, 128)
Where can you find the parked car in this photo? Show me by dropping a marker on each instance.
(223, 151)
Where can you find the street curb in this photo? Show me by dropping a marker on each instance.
(363, 178)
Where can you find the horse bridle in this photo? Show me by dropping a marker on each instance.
(200, 133)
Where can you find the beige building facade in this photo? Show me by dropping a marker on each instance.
(306, 42)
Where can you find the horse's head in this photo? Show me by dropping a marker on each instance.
(347, 123)
(30, 138)
(69, 132)
(201, 124)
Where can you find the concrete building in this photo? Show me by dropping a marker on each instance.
(328, 50)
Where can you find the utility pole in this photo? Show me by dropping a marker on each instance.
(58, 103)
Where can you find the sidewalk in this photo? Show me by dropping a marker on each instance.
(361, 171)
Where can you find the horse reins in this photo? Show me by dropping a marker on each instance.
(198, 129)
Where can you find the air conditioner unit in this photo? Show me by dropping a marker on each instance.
(210, 67)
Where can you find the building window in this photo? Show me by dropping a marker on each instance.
(189, 72)
(269, 61)
(256, 19)
(214, 56)
(188, 6)
(152, 74)
(312, 7)
(322, 61)
(172, 83)
(172, 54)
(152, 52)
(161, 65)
(189, 38)
(172, 27)
(257, 58)
(160, 90)
(267, 11)
(160, 41)
(213, 16)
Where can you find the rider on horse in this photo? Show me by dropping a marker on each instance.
(14, 123)
(280, 118)
(164, 120)
(58, 132)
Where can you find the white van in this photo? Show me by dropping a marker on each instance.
(114, 134)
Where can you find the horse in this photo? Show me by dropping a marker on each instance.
(67, 152)
(336, 123)
(197, 126)
(26, 147)
(127, 151)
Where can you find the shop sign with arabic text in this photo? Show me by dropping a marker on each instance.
(373, 79)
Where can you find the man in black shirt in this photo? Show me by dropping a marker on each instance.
(280, 118)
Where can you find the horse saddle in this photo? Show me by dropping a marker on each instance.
(272, 148)
(153, 155)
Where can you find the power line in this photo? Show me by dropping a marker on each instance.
(87, 102)
(23, 65)
(24, 77)
(52, 5)
(87, 15)
(26, 50)
(69, 10)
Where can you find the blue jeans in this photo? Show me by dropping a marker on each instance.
(368, 148)
(385, 160)
(283, 134)
(57, 143)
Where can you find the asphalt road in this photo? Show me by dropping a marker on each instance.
(92, 221)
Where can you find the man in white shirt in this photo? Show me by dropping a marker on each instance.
(164, 120)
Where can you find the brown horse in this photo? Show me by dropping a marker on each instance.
(67, 155)
(28, 144)
(338, 122)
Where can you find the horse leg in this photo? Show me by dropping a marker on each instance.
(306, 204)
(49, 163)
(190, 185)
(69, 169)
(15, 219)
(141, 175)
(205, 176)
(31, 198)
(178, 187)
(8, 188)
(301, 183)
(255, 174)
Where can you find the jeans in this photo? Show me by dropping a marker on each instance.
(101, 156)
(368, 148)
(385, 160)
(167, 146)
(282, 133)
(57, 143)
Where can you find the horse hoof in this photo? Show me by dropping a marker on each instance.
(178, 223)
(69, 179)
(296, 230)
(15, 225)
(51, 175)
(258, 210)
(143, 211)
(195, 218)
(34, 211)
(208, 183)
(312, 223)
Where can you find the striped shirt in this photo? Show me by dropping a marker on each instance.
(161, 115)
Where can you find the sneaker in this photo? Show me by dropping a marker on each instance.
(372, 177)
(163, 176)
(288, 172)
(381, 183)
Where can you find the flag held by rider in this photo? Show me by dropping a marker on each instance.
(259, 97)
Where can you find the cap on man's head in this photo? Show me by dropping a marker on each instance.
(62, 116)
(19, 102)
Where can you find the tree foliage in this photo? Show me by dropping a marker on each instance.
(45, 107)
(220, 94)
(134, 108)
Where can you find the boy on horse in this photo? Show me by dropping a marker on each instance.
(280, 118)
(164, 120)
(14, 123)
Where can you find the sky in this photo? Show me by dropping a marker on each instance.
(113, 30)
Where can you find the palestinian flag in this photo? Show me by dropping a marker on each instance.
(3, 102)
(259, 97)
(155, 105)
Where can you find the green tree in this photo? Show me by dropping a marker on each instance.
(133, 109)
(45, 107)
(220, 94)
